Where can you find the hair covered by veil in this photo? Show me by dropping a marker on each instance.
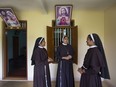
(96, 39)
(37, 43)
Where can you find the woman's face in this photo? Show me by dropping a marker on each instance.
(89, 42)
(3, 13)
(65, 40)
(43, 43)
(63, 11)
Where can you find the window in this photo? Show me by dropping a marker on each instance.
(54, 39)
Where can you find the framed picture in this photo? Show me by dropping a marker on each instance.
(63, 15)
(9, 17)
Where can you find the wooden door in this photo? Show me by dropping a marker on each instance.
(50, 42)
(4, 47)
(74, 34)
(15, 47)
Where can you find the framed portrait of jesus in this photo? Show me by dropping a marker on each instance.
(63, 15)
(9, 17)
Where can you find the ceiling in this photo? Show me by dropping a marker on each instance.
(47, 5)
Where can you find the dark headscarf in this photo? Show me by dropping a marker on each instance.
(97, 41)
(37, 43)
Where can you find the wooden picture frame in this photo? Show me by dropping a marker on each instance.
(9, 17)
(63, 15)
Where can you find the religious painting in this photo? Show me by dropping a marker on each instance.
(9, 17)
(63, 15)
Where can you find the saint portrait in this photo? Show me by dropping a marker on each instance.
(63, 15)
(9, 17)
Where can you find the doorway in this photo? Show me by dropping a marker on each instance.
(16, 53)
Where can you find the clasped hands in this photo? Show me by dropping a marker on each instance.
(81, 71)
(67, 57)
(50, 60)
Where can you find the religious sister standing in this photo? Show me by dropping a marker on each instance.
(65, 77)
(95, 64)
(41, 61)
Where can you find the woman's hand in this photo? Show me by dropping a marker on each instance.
(67, 57)
(50, 60)
(81, 71)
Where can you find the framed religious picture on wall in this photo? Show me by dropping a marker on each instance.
(63, 15)
(9, 17)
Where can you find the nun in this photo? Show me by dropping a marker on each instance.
(95, 64)
(65, 76)
(41, 61)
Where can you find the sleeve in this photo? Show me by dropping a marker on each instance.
(58, 54)
(86, 61)
(37, 58)
(71, 51)
(95, 63)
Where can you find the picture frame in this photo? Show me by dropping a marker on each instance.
(9, 17)
(63, 15)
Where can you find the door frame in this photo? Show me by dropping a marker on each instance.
(5, 51)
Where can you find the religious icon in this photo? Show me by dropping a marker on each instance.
(9, 17)
(63, 15)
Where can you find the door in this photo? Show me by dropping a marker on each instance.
(16, 53)
(50, 42)
(74, 43)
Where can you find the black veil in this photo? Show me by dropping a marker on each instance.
(37, 42)
(104, 70)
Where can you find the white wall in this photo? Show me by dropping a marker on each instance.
(110, 42)
(88, 22)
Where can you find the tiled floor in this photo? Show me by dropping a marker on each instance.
(26, 84)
